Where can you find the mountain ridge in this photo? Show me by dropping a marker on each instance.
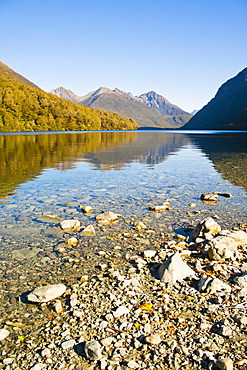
(148, 109)
(24, 107)
(227, 110)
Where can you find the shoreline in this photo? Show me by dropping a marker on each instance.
(161, 325)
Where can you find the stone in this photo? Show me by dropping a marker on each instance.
(46, 293)
(120, 311)
(140, 226)
(89, 230)
(4, 333)
(133, 364)
(106, 342)
(68, 344)
(225, 246)
(70, 225)
(149, 253)
(92, 350)
(241, 281)
(212, 285)
(86, 209)
(38, 366)
(107, 218)
(225, 195)
(224, 363)
(25, 253)
(163, 207)
(173, 269)
(210, 197)
(206, 229)
(58, 306)
(72, 241)
(153, 339)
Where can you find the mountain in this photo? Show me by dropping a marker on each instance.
(15, 74)
(148, 110)
(227, 110)
(25, 107)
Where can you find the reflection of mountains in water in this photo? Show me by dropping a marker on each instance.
(24, 157)
(228, 152)
(148, 148)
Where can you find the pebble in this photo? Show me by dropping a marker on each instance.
(4, 334)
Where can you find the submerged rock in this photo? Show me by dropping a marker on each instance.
(89, 230)
(46, 293)
(173, 269)
(163, 207)
(210, 197)
(70, 225)
(107, 218)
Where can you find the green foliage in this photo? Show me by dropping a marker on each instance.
(25, 108)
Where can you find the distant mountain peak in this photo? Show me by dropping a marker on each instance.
(149, 109)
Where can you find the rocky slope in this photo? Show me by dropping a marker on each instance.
(227, 110)
(148, 110)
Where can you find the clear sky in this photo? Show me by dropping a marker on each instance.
(182, 49)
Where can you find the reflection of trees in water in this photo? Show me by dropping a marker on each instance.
(228, 152)
(23, 157)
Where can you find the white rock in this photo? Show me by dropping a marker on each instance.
(68, 344)
(38, 366)
(133, 364)
(121, 310)
(241, 280)
(154, 339)
(86, 209)
(93, 350)
(46, 293)
(70, 224)
(89, 230)
(211, 285)
(224, 363)
(206, 229)
(3, 334)
(173, 269)
(149, 253)
(107, 218)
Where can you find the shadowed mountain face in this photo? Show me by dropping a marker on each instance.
(227, 110)
(148, 110)
(228, 152)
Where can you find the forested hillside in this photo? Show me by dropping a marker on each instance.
(26, 108)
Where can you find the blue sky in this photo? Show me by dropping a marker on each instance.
(182, 49)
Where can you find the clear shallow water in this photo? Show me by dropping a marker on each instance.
(123, 172)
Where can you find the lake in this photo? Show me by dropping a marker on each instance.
(123, 172)
(46, 177)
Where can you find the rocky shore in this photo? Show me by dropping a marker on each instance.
(149, 300)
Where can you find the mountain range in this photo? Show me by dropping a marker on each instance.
(148, 110)
(227, 110)
(25, 107)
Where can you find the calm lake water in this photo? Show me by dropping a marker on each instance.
(124, 172)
